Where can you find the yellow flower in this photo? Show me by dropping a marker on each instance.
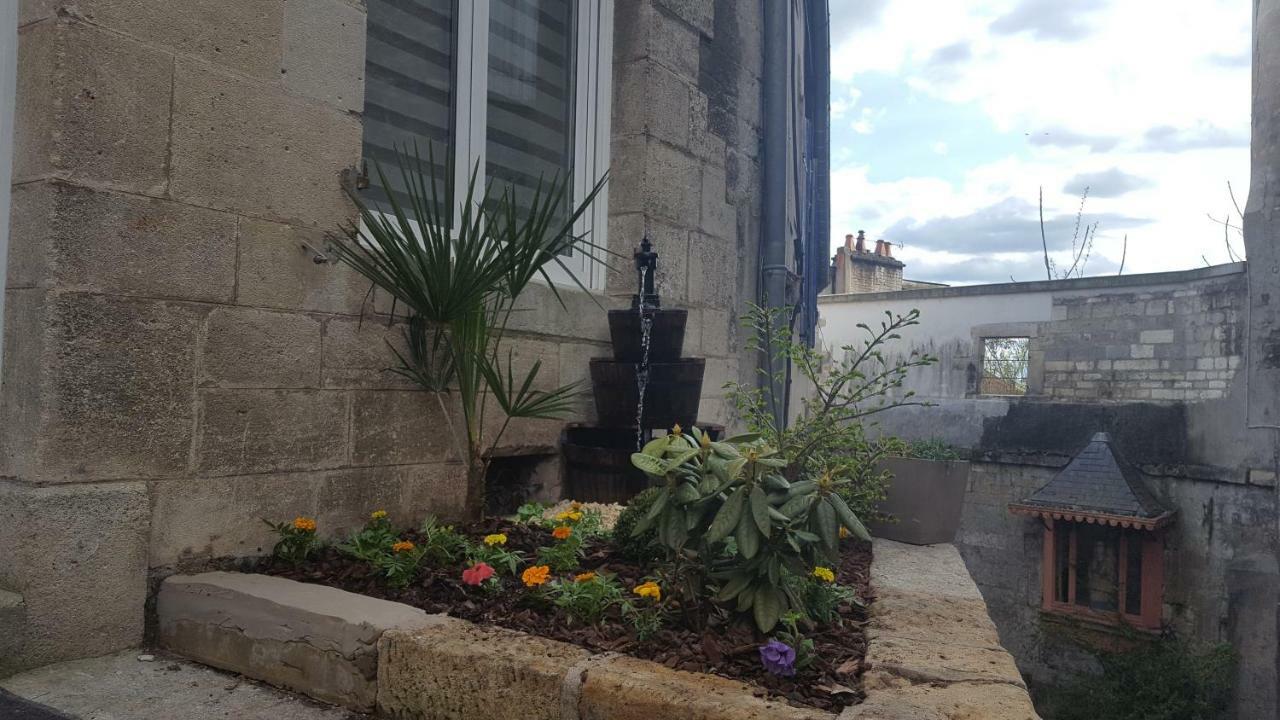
(569, 516)
(824, 574)
(649, 589)
(584, 577)
(562, 532)
(402, 546)
(378, 515)
(844, 532)
(677, 430)
(305, 524)
(536, 575)
(495, 539)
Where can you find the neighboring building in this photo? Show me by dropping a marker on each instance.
(1168, 519)
(181, 356)
(855, 269)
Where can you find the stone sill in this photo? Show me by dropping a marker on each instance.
(932, 654)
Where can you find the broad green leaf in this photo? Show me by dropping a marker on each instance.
(657, 446)
(659, 503)
(746, 597)
(735, 467)
(742, 439)
(680, 459)
(796, 506)
(648, 464)
(686, 493)
(848, 518)
(748, 536)
(776, 482)
(727, 518)
(803, 487)
(828, 528)
(760, 511)
(725, 450)
(733, 586)
(773, 462)
(767, 608)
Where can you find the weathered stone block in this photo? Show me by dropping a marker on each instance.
(119, 376)
(290, 267)
(401, 428)
(254, 149)
(651, 99)
(453, 670)
(221, 517)
(248, 431)
(21, 381)
(122, 244)
(658, 37)
(925, 702)
(698, 13)
(94, 105)
(324, 51)
(626, 688)
(242, 36)
(1152, 337)
(13, 623)
(719, 219)
(672, 245)
(714, 263)
(580, 317)
(245, 347)
(78, 556)
(717, 329)
(317, 640)
(357, 353)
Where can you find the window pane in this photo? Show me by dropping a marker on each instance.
(1062, 564)
(529, 137)
(1097, 567)
(1004, 366)
(408, 87)
(1133, 576)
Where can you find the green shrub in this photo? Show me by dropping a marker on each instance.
(643, 547)
(587, 597)
(933, 449)
(1166, 680)
(371, 541)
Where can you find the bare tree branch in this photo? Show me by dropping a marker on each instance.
(1124, 254)
(1048, 269)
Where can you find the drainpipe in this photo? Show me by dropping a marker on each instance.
(773, 249)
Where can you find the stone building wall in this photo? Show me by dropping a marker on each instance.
(1166, 344)
(182, 356)
(1157, 362)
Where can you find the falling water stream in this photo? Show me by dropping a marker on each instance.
(642, 370)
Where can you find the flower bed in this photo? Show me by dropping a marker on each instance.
(607, 602)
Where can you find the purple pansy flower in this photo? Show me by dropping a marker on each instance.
(778, 658)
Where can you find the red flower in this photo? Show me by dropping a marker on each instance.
(477, 574)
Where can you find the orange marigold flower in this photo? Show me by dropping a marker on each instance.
(536, 575)
(584, 577)
(562, 532)
(402, 546)
(649, 589)
(305, 524)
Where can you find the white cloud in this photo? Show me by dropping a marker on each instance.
(1160, 115)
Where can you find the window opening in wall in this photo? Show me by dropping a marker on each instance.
(1004, 366)
(519, 88)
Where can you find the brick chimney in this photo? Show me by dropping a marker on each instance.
(857, 271)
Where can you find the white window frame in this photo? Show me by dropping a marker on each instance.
(593, 97)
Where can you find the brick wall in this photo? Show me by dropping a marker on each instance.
(1172, 344)
(181, 357)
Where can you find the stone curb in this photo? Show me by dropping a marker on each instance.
(932, 654)
(932, 651)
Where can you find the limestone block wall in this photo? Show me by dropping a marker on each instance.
(1164, 344)
(183, 358)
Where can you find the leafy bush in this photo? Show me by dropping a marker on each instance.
(372, 541)
(716, 490)
(1166, 680)
(297, 539)
(441, 544)
(587, 597)
(933, 449)
(400, 566)
(829, 436)
(643, 547)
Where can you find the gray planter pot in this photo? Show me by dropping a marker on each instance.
(925, 496)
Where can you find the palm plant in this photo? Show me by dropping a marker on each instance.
(459, 282)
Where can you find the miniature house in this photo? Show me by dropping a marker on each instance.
(1103, 540)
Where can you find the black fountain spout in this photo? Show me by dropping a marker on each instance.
(646, 271)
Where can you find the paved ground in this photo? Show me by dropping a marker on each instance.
(121, 687)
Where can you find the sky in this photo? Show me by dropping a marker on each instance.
(948, 118)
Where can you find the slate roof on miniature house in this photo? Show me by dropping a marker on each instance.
(1097, 486)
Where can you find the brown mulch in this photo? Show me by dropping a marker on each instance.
(699, 639)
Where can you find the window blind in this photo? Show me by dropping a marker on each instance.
(529, 133)
(409, 87)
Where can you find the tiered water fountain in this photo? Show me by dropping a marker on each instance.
(645, 386)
